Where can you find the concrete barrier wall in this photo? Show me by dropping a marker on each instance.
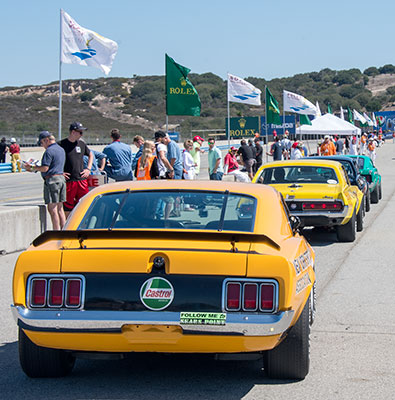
(20, 226)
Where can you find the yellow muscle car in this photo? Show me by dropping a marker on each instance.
(168, 266)
(318, 192)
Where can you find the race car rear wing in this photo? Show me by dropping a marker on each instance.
(214, 236)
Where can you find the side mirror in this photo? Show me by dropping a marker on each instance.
(295, 223)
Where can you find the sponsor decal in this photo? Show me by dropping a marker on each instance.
(302, 283)
(202, 318)
(156, 293)
(302, 262)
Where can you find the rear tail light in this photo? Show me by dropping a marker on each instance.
(233, 295)
(55, 296)
(38, 292)
(55, 291)
(267, 297)
(250, 295)
(73, 293)
(326, 206)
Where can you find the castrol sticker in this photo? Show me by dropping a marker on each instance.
(156, 293)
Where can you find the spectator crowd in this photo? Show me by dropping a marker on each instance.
(65, 166)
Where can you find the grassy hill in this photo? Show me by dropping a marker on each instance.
(137, 105)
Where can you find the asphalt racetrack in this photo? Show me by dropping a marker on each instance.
(352, 339)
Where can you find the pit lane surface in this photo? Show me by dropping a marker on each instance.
(352, 339)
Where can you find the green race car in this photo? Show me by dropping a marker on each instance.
(369, 171)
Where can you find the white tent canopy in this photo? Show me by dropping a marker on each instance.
(329, 124)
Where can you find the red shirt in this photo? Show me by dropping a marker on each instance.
(15, 149)
(231, 161)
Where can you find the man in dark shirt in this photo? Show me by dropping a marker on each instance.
(3, 149)
(74, 171)
(247, 157)
(276, 150)
(52, 164)
(258, 155)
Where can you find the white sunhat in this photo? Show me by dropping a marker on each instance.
(13, 140)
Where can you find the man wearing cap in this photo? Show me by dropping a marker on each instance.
(259, 153)
(52, 165)
(15, 155)
(195, 153)
(119, 156)
(75, 173)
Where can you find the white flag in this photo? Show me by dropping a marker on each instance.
(374, 120)
(240, 91)
(85, 47)
(359, 117)
(366, 116)
(318, 109)
(298, 104)
(341, 113)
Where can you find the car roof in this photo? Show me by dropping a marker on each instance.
(172, 184)
(333, 158)
(311, 161)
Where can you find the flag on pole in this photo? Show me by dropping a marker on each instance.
(304, 120)
(241, 91)
(330, 108)
(350, 116)
(298, 104)
(360, 118)
(181, 96)
(85, 47)
(272, 109)
(369, 121)
(341, 113)
(374, 120)
(318, 109)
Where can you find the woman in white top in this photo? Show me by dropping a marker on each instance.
(353, 146)
(187, 161)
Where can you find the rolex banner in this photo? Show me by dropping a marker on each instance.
(181, 97)
(272, 109)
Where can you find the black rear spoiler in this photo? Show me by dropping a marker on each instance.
(222, 236)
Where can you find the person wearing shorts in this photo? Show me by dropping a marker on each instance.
(74, 171)
(52, 164)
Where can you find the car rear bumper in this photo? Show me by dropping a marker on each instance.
(73, 321)
(321, 218)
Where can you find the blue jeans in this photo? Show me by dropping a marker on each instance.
(217, 176)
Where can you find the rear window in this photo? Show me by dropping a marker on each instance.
(171, 210)
(298, 174)
(360, 162)
(349, 169)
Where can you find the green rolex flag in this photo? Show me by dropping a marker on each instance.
(272, 109)
(330, 108)
(181, 97)
(350, 118)
(304, 120)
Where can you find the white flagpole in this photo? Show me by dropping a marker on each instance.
(228, 124)
(228, 113)
(60, 78)
(267, 136)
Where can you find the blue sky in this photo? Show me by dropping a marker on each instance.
(267, 39)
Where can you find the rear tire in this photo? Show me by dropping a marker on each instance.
(41, 362)
(367, 202)
(360, 219)
(291, 358)
(380, 192)
(374, 196)
(347, 232)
